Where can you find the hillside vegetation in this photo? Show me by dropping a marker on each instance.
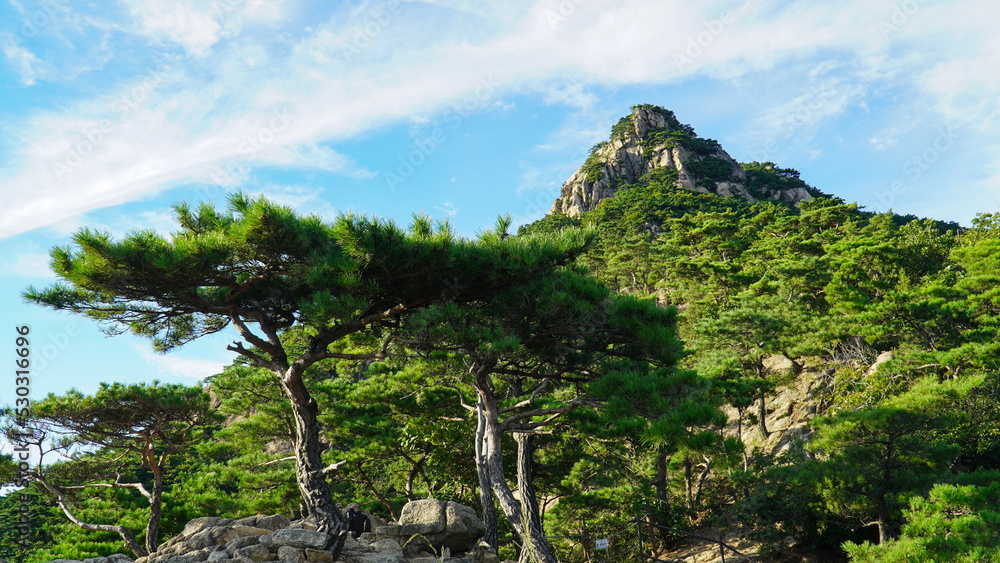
(620, 339)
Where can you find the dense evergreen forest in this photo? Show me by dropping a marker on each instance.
(563, 378)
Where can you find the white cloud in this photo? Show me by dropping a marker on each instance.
(28, 265)
(305, 200)
(448, 208)
(573, 95)
(805, 112)
(883, 143)
(965, 89)
(171, 365)
(218, 113)
(182, 22)
(197, 26)
(537, 188)
(508, 10)
(890, 136)
(22, 59)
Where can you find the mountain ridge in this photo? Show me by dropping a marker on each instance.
(651, 138)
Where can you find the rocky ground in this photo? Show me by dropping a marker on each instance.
(428, 531)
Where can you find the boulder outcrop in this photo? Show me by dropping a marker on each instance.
(652, 138)
(445, 528)
(435, 523)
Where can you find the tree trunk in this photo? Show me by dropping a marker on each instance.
(410, 496)
(660, 482)
(882, 495)
(743, 448)
(309, 470)
(416, 468)
(155, 509)
(492, 536)
(526, 487)
(688, 482)
(702, 478)
(762, 413)
(532, 539)
(883, 530)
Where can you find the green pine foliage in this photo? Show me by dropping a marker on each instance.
(834, 283)
(764, 176)
(954, 523)
(648, 315)
(14, 545)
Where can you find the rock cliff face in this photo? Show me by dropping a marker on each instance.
(652, 138)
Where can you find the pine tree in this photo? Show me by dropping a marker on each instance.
(870, 461)
(527, 352)
(262, 268)
(129, 424)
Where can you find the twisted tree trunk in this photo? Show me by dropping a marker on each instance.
(310, 473)
(531, 537)
(526, 491)
(155, 509)
(492, 535)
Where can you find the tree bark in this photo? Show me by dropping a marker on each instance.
(883, 528)
(489, 511)
(743, 449)
(660, 482)
(526, 489)
(688, 482)
(155, 509)
(309, 469)
(762, 413)
(416, 467)
(531, 538)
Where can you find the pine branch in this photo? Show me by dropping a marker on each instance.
(130, 541)
(529, 400)
(552, 413)
(118, 485)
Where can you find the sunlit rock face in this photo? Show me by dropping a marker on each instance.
(652, 138)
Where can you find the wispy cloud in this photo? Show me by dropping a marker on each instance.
(21, 59)
(219, 111)
(28, 265)
(197, 26)
(183, 22)
(170, 365)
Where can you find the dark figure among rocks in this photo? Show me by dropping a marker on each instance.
(357, 523)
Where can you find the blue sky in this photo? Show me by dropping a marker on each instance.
(112, 112)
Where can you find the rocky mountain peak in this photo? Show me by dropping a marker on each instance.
(652, 138)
